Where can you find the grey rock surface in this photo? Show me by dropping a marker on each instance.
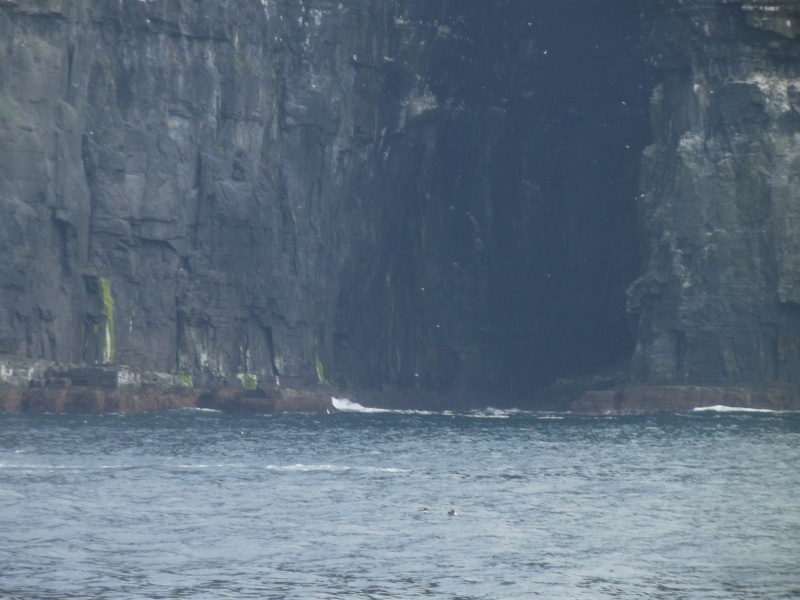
(401, 194)
(718, 301)
(183, 183)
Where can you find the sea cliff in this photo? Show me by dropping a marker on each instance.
(402, 197)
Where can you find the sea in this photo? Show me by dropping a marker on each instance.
(376, 504)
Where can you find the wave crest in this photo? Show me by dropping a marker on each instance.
(737, 409)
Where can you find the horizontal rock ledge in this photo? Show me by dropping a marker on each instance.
(47, 387)
(625, 401)
(649, 400)
(92, 400)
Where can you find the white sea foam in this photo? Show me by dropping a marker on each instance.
(307, 468)
(737, 409)
(486, 415)
(345, 405)
(496, 413)
(303, 468)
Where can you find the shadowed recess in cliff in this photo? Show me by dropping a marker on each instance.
(509, 229)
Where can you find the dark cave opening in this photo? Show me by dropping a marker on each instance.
(521, 223)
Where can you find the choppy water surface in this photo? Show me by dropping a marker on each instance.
(191, 504)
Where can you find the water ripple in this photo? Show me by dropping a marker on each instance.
(195, 504)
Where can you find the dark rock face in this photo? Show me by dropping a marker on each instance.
(509, 238)
(183, 185)
(721, 188)
(413, 195)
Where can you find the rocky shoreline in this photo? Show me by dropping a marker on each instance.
(87, 400)
(46, 387)
(43, 387)
(650, 400)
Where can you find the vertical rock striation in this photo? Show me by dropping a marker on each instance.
(416, 195)
(719, 302)
(510, 237)
(394, 194)
(183, 183)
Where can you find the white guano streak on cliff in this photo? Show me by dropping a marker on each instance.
(776, 92)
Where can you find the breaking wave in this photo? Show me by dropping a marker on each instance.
(345, 405)
(732, 409)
